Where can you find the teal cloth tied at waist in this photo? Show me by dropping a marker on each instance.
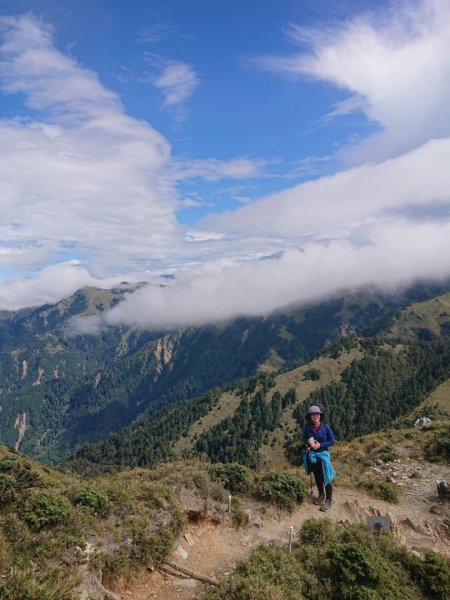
(314, 455)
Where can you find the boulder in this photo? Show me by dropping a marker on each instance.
(423, 422)
(443, 489)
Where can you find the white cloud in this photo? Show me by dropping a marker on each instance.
(79, 178)
(395, 63)
(99, 184)
(195, 235)
(50, 285)
(158, 32)
(224, 289)
(51, 81)
(213, 169)
(84, 179)
(177, 81)
(335, 205)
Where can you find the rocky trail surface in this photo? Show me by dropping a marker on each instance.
(207, 547)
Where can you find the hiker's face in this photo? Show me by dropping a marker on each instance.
(315, 418)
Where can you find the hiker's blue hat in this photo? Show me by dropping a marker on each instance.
(313, 410)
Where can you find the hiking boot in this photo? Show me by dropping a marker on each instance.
(319, 499)
(327, 505)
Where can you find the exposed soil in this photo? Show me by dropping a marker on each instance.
(421, 521)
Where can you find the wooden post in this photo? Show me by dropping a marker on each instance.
(291, 530)
(229, 506)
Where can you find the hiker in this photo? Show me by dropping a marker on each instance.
(318, 437)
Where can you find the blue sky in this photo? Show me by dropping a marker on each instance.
(262, 152)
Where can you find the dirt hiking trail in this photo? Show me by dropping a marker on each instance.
(421, 521)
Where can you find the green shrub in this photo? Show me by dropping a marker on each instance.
(432, 574)
(359, 574)
(151, 548)
(383, 490)
(146, 548)
(234, 477)
(312, 374)
(294, 452)
(316, 532)
(282, 489)
(387, 453)
(15, 477)
(240, 518)
(267, 574)
(48, 510)
(7, 489)
(201, 482)
(7, 463)
(92, 498)
(112, 563)
(441, 442)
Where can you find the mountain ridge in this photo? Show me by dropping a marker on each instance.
(78, 389)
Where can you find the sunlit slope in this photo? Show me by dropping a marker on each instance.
(363, 386)
(423, 319)
(60, 391)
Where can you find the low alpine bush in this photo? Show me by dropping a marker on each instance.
(281, 488)
(48, 510)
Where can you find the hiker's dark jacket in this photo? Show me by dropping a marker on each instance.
(324, 435)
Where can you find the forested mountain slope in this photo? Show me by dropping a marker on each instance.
(60, 391)
(258, 423)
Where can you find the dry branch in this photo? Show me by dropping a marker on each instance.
(189, 573)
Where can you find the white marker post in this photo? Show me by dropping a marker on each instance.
(229, 505)
(291, 531)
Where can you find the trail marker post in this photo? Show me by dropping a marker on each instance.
(378, 524)
(291, 531)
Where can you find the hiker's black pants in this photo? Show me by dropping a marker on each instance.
(317, 469)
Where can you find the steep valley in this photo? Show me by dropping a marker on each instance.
(59, 391)
(208, 481)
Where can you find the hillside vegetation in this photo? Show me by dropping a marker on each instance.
(337, 563)
(363, 386)
(59, 533)
(61, 536)
(60, 391)
(65, 538)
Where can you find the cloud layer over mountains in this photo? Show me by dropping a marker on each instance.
(100, 185)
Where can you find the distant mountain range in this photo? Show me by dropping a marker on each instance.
(59, 391)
